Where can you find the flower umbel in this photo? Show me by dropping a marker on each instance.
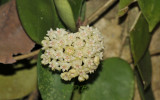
(74, 54)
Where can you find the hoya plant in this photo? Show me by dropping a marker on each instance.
(52, 50)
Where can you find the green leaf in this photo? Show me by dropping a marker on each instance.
(114, 82)
(50, 84)
(150, 9)
(66, 14)
(83, 11)
(139, 38)
(145, 94)
(123, 6)
(76, 6)
(17, 80)
(145, 69)
(38, 16)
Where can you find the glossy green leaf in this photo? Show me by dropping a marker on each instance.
(17, 80)
(145, 69)
(145, 94)
(123, 6)
(38, 16)
(115, 81)
(139, 38)
(51, 86)
(76, 6)
(83, 11)
(150, 9)
(66, 14)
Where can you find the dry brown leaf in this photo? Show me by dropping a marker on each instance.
(13, 39)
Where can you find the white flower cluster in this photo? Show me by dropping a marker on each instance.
(74, 54)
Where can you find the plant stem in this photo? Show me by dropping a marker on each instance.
(98, 12)
(31, 54)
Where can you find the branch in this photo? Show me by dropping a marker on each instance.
(31, 54)
(98, 12)
(154, 52)
(89, 20)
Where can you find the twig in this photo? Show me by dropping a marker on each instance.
(20, 57)
(98, 12)
(89, 20)
(154, 52)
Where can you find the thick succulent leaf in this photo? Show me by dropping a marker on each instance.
(51, 86)
(12, 34)
(18, 80)
(115, 81)
(150, 9)
(38, 16)
(123, 6)
(139, 38)
(76, 6)
(145, 94)
(66, 14)
(83, 11)
(145, 69)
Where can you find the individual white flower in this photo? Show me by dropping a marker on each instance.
(65, 76)
(69, 50)
(45, 59)
(88, 62)
(70, 38)
(90, 42)
(98, 46)
(52, 43)
(82, 76)
(73, 73)
(79, 43)
(58, 54)
(67, 58)
(85, 31)
(88, 52)
(81, 79)
(51, 34)
(45, 43)
(77, 64)
(65, 66)
(78, 53)
(74, 54)
(54, 65)
(100, 55)
(96, 60)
